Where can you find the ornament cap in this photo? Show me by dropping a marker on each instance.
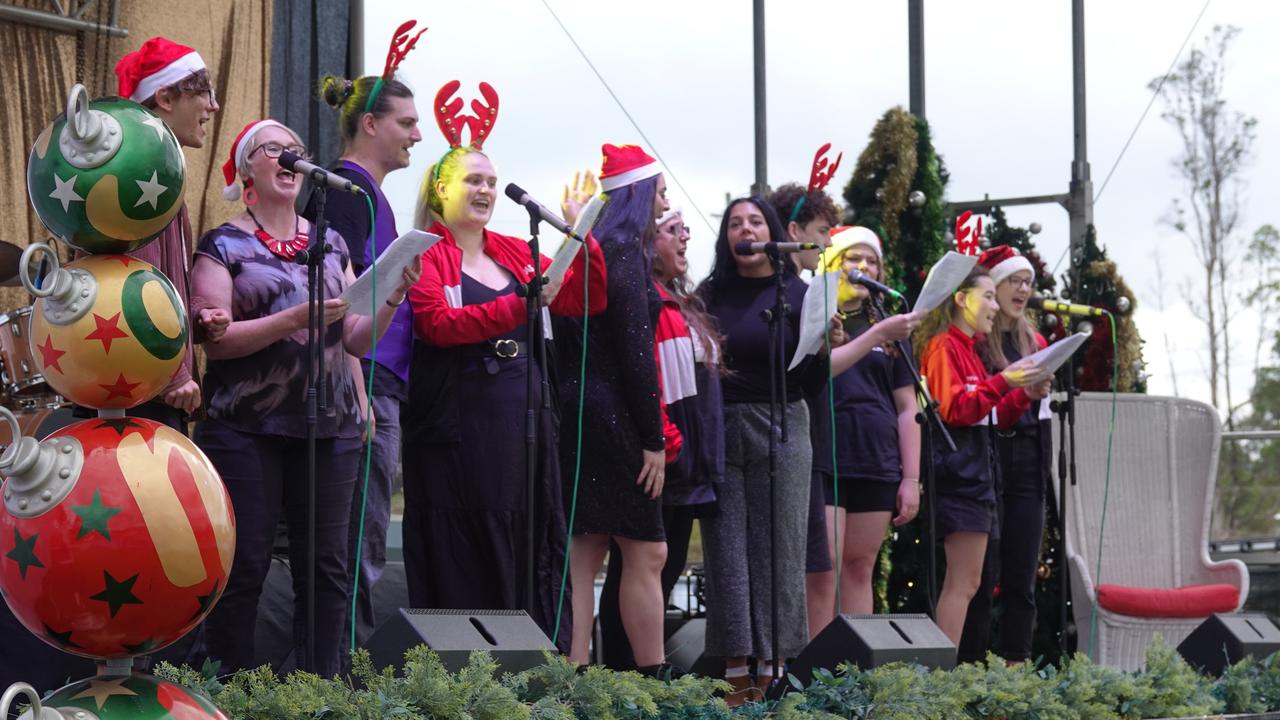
(67, 293)
(91, 137)
(40, 475)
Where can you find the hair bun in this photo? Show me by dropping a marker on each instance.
(336, 90)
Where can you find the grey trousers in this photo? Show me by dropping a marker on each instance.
(736, 542)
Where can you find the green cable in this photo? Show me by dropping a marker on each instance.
(831, 407)
(368, 401)
(1106, 485)
(577, 453)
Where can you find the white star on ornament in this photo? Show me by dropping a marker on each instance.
(151, 191)
(156, 124)
(65, 190)
(102, 690)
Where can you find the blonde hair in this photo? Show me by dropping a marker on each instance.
(429, 208)
(940, 318)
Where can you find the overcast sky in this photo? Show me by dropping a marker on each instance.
(998, 84)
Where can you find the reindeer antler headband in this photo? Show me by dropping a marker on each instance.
(968, 236)
(819, 176)
(451, 120)
(401, 44)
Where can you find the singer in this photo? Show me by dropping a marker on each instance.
(736, 541)
(256, 431)
(967, 397)
(465, 518)
(1023, 453)
(623, 461)
(378, 124)
(877, 438)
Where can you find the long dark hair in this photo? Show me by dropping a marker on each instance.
(695, 313)
(724, 271)
(628, 217)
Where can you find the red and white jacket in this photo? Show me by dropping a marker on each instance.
(673, 353)
(440, 318)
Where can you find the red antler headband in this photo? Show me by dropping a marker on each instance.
(820, 175)
(450, 119)
(967, 237)
(401, 44)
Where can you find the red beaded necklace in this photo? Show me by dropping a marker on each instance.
(286, 249)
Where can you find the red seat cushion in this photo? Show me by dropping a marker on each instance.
(1183, 602)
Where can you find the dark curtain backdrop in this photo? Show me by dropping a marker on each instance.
(308, 40)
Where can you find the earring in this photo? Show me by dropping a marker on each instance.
(250, 196)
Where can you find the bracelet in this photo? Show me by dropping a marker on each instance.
(397, 304)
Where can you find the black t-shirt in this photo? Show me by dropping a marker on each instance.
(737, 308)
(866, 416)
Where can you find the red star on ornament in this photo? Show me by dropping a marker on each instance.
(108, 330)
(124, 259)
(49, 354)
(121, 388)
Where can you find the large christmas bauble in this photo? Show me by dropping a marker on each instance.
(111, 335)
(117, 536)
(106, 176)
(131, 697)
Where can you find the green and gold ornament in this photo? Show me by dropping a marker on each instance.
(106, 176)
(126, 697)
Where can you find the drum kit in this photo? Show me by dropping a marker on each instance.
(23, 389)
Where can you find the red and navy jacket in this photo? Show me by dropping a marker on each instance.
(970, 402)
(442, 324)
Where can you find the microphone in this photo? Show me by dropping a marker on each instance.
(521, 197)
(773, 248)
(290, 161)
(1040, 302)
(857, 277)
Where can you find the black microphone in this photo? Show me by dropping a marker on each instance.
(773, 248)
(521, 197)
(1041, 302)
(857, 277)
(290, 161)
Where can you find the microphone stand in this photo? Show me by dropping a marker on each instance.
(532, 292)
(776, 318)
(931, 421)
(1065, 409)
(316, 401)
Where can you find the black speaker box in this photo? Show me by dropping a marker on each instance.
(513, 639)
(1227, 638)
(686, 649)
(872, 640)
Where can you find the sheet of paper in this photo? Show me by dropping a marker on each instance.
(389, 268)
(944, 277)
(570, 247)
(815, 314)
(1053, 357)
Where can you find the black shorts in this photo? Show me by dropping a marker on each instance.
(816, 557)
(957, 513)
(860, 496)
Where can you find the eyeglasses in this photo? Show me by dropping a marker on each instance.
(677, 229)
(273, 150)
(198, 84)
(1020, 283)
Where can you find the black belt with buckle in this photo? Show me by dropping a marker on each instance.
(506, 348)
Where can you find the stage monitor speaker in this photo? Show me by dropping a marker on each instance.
(686, 649)
(1227, 638)
(871, 640)
(513, 639)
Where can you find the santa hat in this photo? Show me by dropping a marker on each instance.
(669, 215)
(159, 63)
(1003, 261)
(241, 146)
(624, 165)
(843, 238)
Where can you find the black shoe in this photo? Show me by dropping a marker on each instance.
(665, 672)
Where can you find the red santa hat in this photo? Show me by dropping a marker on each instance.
(846, 237)
(239, 148)
(624, 165)
(157, 64)
(1003, 261)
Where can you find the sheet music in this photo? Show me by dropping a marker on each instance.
(944, 277)
(389, 267)
(1054, 356)
(815, 315)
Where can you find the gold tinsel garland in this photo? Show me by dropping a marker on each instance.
(893, 146)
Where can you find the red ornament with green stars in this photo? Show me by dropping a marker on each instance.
(132, 697)
(117, 538)
(110, 179)
(111, 334)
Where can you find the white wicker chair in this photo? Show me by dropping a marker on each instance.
(1163, 469)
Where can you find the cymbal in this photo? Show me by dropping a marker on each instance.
(10, 255)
